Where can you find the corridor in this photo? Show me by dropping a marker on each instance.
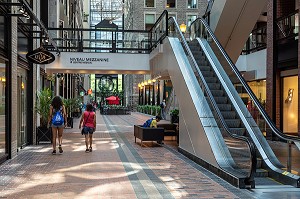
(117, 168)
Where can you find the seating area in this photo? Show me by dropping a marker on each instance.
(155, 134)
(148, 134)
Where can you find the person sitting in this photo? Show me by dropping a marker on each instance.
(152, 123)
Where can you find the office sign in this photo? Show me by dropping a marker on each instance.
(40, 56)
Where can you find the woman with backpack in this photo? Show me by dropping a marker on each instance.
(88, 119)
(57, 118)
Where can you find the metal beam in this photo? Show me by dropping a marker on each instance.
(39, 23)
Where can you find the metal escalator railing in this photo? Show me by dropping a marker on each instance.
(242, 157)
(200, 29)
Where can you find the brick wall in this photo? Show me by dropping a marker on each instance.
(285, 7)
(138, 11)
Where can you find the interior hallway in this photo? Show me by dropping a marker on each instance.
(117, 168)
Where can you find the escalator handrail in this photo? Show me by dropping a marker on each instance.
(215, 106)
(273, 127)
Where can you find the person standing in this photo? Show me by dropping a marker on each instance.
(88, 119)
(162, 107)
(58, 119)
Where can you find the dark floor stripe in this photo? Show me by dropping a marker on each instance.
(238, 192)
(134, 180)
(159, 185)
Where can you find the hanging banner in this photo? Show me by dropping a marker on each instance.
(40, 56)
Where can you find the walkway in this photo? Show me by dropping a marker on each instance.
(117, 168)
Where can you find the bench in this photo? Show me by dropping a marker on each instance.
(148, 134)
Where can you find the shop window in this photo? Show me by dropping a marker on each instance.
(171, 4)
(2, 107)
(149, 21)
(290, 105)
(190, 19)
(149, 3)
(2, 25)
(192, 4)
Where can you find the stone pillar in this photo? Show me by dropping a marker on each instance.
(13, 43)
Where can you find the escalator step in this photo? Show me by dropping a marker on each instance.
(214, 86)
(217, 93)
(229, 114)
(221, 100)
(233, 123)
(225, 107)
(211, 79)
(238, 131)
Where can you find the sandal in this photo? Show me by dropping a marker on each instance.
(87, 150)
(60, 149)
(91, 149)
(53, 152)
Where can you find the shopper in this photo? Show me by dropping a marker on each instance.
(163, 111)
(88, 119)
(57, 120)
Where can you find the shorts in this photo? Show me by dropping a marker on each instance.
(57, 126)
(88, 130)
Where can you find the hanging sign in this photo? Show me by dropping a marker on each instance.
(40, 56)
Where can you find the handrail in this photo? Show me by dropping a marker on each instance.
(163, 16)
(277, 131)
(215, 106)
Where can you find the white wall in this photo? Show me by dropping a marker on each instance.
(255, 61)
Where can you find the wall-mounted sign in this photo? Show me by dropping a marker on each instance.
(87, 60)
(40, 56)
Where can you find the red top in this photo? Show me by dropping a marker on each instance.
(88, 120)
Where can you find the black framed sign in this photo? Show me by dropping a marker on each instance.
(40, 56)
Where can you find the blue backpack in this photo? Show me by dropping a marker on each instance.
(147, 123)
(58, 118)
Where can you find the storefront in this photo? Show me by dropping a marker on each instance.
(3, 91)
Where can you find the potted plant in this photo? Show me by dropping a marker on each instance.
(68, 107)
(42, 107)
(174, 115)
(71, 105)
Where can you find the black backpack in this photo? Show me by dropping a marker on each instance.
(161, 105)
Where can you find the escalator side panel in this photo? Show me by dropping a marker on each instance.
(199, 133)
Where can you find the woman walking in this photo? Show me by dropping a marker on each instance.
(88, 119)
(57, 118)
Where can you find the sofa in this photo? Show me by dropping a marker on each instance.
(170, 130)
(148, 134)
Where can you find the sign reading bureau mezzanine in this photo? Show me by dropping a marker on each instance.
(87, 60)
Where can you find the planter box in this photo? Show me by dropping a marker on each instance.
(43, 134)
(70, 122)
(174, 119)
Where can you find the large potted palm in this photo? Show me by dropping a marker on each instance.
(42, 107)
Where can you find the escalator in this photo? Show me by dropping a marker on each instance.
(221, 75)
(204, 135)
(216, 129)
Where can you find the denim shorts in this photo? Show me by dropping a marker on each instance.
(88, 130)
(58, 126)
